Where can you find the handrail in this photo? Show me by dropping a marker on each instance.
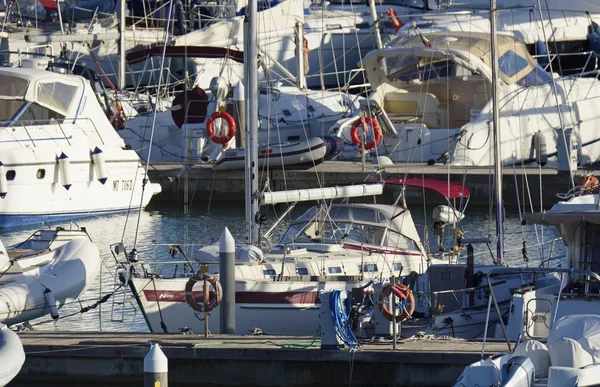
(25, 123)
(508, 270)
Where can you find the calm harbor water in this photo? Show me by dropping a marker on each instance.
(164, 223)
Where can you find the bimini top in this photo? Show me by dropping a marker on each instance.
(468, 49)
(350, 220)
(58, 92)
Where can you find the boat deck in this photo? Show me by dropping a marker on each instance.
(94, 359)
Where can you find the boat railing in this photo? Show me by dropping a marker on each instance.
(590, 66)
(546, 262)
(589, 276)
(29, 125)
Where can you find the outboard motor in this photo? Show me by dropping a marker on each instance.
(334, 146)
(518, 371)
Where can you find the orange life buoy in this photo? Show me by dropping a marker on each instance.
(210, 132)
(363, 123)
(406, 297)
(208, 303)
(393, 17)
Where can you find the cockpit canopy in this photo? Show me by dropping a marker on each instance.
(38, 95)
(461, 53)
(381, 225)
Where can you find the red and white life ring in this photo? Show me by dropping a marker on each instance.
(210, 132)
(404, 294)
(364, 124)
(393, 17)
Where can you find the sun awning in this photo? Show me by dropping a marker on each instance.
(552, 218)
(185, 51)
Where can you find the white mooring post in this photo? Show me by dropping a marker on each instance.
(227, 279)
(156, 368)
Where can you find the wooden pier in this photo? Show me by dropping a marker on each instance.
(116, 359)
(204, 184)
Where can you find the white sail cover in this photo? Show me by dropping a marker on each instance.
(303, 195)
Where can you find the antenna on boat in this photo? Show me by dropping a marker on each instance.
(497, 148)
(251, 77)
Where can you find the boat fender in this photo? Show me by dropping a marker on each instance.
(334, 146)
(594, 37)
(65, 170)
(210, 132)
(406, 298)
(51, 303)
(100, 165)
(210, 301)
(393, 17)
(541, 50)
(3, 181)
(538, 147)
(363, 123)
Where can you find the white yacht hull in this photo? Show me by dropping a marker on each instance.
(282, 308)
(31, 199)
(295, 154)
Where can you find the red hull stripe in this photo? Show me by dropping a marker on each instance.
(240, 297)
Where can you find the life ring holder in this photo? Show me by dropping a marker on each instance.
(210, 132)
(363, 123)
(407, 301)
(211, 302)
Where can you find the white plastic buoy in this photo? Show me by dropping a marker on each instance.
(65, 170)
(51, 303)
(99, 165)
(3, 181)
(156, 368)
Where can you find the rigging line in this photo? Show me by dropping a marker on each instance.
(554, 87)
(145, 180)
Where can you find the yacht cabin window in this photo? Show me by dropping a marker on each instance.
(10, 175)
(368, 268)
(334, 270)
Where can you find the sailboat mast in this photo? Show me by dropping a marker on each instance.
(497, 155)
(251, 76)
(122, 68)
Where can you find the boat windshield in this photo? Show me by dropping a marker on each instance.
(26, 112)
(333, 232)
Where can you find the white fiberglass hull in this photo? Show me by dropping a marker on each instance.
(295, 154)
(281, 308)
(38, 193)
(72, 267)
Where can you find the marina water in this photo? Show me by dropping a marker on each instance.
(165, 223)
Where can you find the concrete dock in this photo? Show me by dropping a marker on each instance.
(116, 359)
(204, 184)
